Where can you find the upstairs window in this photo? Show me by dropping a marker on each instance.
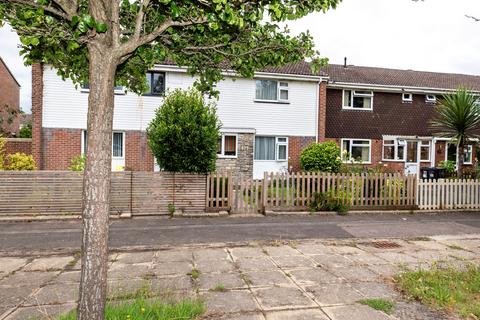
(271, 90)
(227, 146)
(357, 99)
(117, 89)
(156, 83)
(431, 98)
(407, 97)
(271, 148)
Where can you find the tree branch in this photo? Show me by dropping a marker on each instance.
(59, 13)
(139, 21)
(472, 17)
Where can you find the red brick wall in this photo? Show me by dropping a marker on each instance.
(37, 107)
(322, 111)
(9, 96)
(18, 145)
(138, 156)
(59, 147)
(295, 148)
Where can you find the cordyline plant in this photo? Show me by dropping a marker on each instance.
(458, 118)
(108, 42)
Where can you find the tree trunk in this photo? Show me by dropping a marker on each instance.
(96, 185)
(460, 158)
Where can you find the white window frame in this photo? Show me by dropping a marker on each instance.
(424, 144)
(222, 155)
(396, 144)
(83, 143)
(116, 89)
(277, 148)
(279, 88)
(469, 146)
(431, 98)
(353, 94)
(407, 97)
(350, 151)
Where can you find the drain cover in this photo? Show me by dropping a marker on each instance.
(384, 245)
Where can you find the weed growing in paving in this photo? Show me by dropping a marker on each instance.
(379, 304)
(194, 274)
(143, 307)
(455, 247)
(219, 288)
(449, 289)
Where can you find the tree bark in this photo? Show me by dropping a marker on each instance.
(96, 184)
(460, 158)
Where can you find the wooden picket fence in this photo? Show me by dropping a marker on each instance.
(448, 194)
(295, 191)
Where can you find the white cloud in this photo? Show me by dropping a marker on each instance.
(10, 53)
(431, 35)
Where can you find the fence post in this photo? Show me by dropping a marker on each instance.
(264, 192)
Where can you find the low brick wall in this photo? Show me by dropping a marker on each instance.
(15, 145)
(59, 193)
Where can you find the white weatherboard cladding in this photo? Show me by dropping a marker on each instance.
(66, 107)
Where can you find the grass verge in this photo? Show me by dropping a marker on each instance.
(452, 290)
(379, 304)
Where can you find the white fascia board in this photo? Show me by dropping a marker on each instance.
(389, 88)
(394, 137)
(265, 75)
(237, 130)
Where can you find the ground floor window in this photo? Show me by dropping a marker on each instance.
(452, 153)
(425, 151)
(394, 150)
(227, 146)
(357, 150)
(271, 148)
(118, 144)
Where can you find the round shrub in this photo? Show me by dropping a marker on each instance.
(323, 157)
(184, 133)
(20, 161)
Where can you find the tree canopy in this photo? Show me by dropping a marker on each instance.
(242, 35)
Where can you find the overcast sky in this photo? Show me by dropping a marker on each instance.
(433, 35)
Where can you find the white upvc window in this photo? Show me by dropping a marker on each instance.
(118, 144)
(356, 150)
(271, 90)
(431, 98)
(425, 150)
(227, 146)
(451, 154)
(85, 87)
(357, 99)
(393, 150)
(271, 148)
(407, 97)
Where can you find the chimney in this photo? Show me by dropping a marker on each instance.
(345, 62)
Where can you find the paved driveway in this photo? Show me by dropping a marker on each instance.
(259, 281)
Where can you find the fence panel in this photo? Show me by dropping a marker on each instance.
(448, 194)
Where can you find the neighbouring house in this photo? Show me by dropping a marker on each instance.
(9, 101)
(266, 121)
(381, 117)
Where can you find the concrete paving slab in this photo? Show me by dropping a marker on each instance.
(176, 255)
(339, 249)
(67, 277)
(235, 316)
(376, 290)
(266, 278)
(135, 257)
(396, 257)
(309, 314)
(355, 274)
(261, 263)
(282, 250)
(229, 301)
(170, 268)
(314, 248)
(332, 261)
(226, 280)
(413, 310)
(207, 254)
(291, 262)
(128, 271)
(332, 294)
(361, 312)
(48, 312)
(367, 259)
(314, 276)
(29, 278)
(429, 245)
(126, 287)
(288, 297)
(13, 296)
(49, 263)
(215, 266)
(247, 252)
(385, 271)
(172, 283)
(8, 265)
(54, 294)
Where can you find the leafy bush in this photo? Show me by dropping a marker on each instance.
(324, 157)
(25, 131)
(184, 133)
(449, 167)
(329, 201)
(77, 163)
(20, 161)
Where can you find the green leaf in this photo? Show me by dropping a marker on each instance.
(82, 26)
(101, 27)
(89, 21)
(34, 41)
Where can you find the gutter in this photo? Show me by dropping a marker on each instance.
(390, 88)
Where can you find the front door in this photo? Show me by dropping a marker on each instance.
(412, 163)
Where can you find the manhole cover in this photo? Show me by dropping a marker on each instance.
(384, 245)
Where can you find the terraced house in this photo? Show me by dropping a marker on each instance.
(381, 117)
(266, 121)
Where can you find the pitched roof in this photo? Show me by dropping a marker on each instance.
(401, 78)
(6, 67)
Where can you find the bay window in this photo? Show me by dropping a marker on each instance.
(271, 90)
(271, 148)
(357, 99)
(357, 150)
(227, 146)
